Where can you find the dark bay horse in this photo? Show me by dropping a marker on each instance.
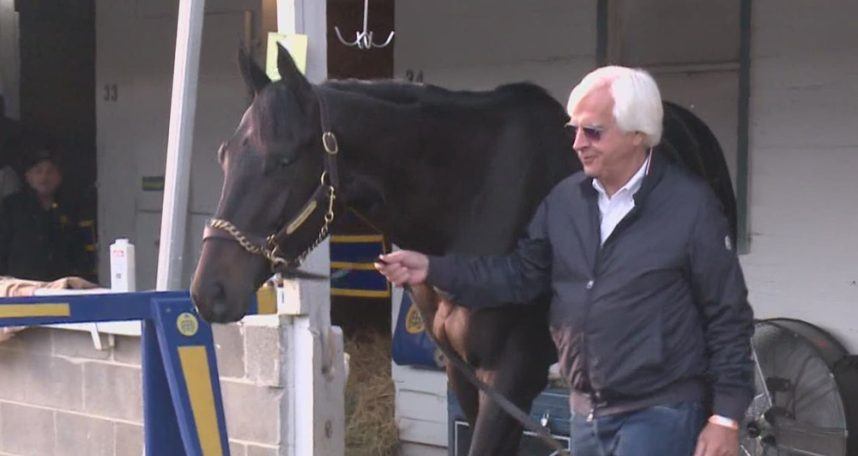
(435, 170)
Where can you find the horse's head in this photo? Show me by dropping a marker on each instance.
(275, 198)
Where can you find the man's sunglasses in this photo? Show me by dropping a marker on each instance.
(591, 133)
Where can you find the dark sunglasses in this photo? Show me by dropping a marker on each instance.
(591, 133)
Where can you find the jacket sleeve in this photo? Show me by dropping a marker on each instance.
(495, 280)
(720, 291)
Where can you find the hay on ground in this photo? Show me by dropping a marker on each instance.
(370, 425)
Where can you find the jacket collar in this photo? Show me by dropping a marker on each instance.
(657, 164)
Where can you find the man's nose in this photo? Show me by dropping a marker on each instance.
(581, 140)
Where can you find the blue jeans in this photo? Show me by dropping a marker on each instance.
(661, 430)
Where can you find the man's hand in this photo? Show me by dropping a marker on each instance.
(403, 267)
(717, 440)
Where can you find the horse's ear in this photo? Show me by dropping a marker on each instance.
(253, 76)
(289, 71)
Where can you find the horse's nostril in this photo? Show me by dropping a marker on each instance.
(218, 292)
(210, 300)
(218, 302)
(219, 312)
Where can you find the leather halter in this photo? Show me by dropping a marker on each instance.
(323, 197)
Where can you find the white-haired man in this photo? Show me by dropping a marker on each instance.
(649, 307)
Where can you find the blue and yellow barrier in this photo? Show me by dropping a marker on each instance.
(182, 406)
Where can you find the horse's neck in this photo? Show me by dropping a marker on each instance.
(385, 180)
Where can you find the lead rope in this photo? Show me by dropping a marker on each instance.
(513, 410)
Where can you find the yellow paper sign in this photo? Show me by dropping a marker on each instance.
(297, 47)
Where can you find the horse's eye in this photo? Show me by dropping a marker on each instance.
(286, 160)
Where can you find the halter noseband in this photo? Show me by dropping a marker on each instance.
(269, 246)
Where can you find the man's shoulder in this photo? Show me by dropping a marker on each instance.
(570, 186)
(681, 181)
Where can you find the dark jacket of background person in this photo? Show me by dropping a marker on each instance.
(38, 243)
(657, 314)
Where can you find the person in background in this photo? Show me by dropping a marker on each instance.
(39, 236)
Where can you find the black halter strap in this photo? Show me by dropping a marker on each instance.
(329, 141)
(325, 190)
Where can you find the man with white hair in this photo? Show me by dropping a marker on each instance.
(649, 307)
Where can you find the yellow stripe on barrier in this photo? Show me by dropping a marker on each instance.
(35, 310)
(360, 293)
(354, 238)
(353, 266)
(266, 300)
(195, 367)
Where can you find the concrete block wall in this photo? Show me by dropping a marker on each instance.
(60, 396)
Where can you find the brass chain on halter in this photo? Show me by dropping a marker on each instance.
(266, 251)
(225, 225)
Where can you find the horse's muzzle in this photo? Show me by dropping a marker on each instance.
(211, 303)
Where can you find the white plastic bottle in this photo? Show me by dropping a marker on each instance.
(122, 274)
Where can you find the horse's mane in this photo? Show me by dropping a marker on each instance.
(406, 93)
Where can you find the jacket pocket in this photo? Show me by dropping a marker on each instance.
(628, 360)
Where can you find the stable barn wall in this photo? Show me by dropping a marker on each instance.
(135, 51)
(480, 44)
(803, 259)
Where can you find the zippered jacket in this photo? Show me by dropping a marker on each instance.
(657, 314)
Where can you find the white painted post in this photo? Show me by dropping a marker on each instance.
(9, 56)
(316, 406)
(307, 17)
(183, 108)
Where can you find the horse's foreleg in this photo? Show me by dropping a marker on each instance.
(466, 394)
(520, 375)
(448, 324)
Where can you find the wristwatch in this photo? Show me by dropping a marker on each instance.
(724, 421)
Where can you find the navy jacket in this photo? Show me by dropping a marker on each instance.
(38, 244)
(658, 313)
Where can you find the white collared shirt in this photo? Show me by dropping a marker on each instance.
(612, 209)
